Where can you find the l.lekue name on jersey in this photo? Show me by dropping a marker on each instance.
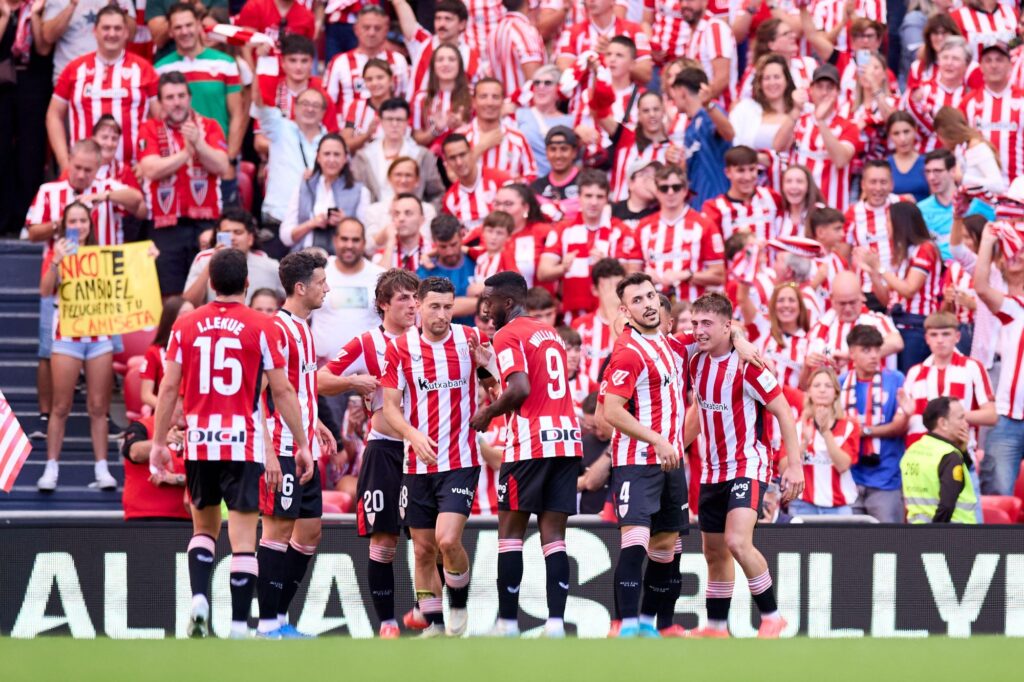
(228, 324)
(440, 384)
(543, 335)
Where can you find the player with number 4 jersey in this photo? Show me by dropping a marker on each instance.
(542, 448)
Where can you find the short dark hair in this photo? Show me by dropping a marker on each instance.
(942, 154)
(375, 63)
(864, 336)
(605, 269)
(714, 303)
(266, 291)
(625, 42)
(236, 214)
(112, 8)
(740, 156)
(106, 121)
(691, 79)
(570, 337)
(509, 284)
(391, 282)
(409, 195)
(668, 170)
(513, 5)
(491, 80)
(437, 285)
(880, 164)
(229, 270)
(666, 303)
(394, 104)
(823, 215)
(444, 228)
(537, 298)
(591, 177)
(936, 409)
(589, 404)
(630, 280)
(298, 267)
(500, 219)
(179, 7)
(168, 78)
(453, 139)
(456, 7)
(293, 43)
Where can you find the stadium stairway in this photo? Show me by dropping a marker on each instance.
(19, 342)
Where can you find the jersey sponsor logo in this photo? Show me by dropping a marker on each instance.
(463, 491)
(767, 381)
(740, 489)
(212, 436)
(505, 359)
(619, 377)
(713, 407)
(560, 435)
(439, 385)
(501, 488)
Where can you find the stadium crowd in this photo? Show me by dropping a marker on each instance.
(857, 203)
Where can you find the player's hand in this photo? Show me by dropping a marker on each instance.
(424, 447)
(304, 465)
(792, 482)
(481, 420)
(481, 352)
(159, 457)
(272, 472)
(328, 445)
(747, 351)
(667, 455)
(365, 384)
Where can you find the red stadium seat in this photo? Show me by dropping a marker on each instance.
(1018, 492)
(1010, 505)
(342, 501)
(135, 343)
(133, 393)
(331, 509)
(993, 512)
(245, 191)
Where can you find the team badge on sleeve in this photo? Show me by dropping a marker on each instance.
(505, 359)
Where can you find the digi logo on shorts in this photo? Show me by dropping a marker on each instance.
(215, 437)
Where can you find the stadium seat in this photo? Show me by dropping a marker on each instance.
(247, 168)
(1018, 492)
(136, 361)
(245, 190)
(994, 514)
(332, 508)
(135, 343)
(1010, 505)
(133, 393)
(342, 501)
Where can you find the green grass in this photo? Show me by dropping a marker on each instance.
(337, 659)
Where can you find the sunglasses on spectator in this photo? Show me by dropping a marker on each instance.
(545, 83)
(671, 189)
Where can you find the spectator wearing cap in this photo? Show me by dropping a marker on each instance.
(992, 111)
(538, 120)
(707, 137)
(642, 200)
(820, 139)
(236, 229)
(869, 396)
(559, 184)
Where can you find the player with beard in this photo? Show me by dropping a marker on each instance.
(542, 449)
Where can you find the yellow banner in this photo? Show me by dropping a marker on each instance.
(108, 290)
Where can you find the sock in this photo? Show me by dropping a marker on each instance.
(431, 609)
(510, 576)
(555, 626)
(381, 578)
(200, 564)
(628, 577)
(667, 609)
(100, 468)
(244, 569)
(556, 562)
(656, 585)
(440, 572)
(718, 599)
(270, 582)
(458, 589)
(296, 562)
(764, 595)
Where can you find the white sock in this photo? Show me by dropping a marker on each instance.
(648, 620)
(239, 627)
(268, 625)
(52, 465)
(721, 625)
(200, 603)
(282, 619)
(101, 468)
(555, 624)
(774, 615)
(629, 622)
(509, 625)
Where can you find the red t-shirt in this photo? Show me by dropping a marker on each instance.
(264, 16)
(153, 365)
(141, 499)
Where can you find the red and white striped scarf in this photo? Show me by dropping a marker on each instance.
(873, 405)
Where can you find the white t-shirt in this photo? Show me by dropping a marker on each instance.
(348, 309)
(79, 37)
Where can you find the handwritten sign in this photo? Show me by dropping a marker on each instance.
(108, 290)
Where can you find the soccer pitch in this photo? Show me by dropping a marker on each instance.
(489, 660)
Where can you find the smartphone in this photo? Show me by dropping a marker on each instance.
(224, 239)
(862, 58)
(331, 212)
(72, 237)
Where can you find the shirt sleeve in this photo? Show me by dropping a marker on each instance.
(174, 345)
(982, 383)
(149, 81)
(553, 243)
(148, 145)
(510, 356)
(215, 136)
(148, 370)
(760, 384)
(926, 259)
(135, 433)
(712, 248)
(850, 443)
(199, 265)
(1012, 308)
(350, 359)
(393, 377)
(64, 86)
(951, 483)
(271, 343)
(624, 369)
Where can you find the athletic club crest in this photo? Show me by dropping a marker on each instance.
(165, 197)
(199, 187)
(370, 516)
(623, 510)
(286, 502)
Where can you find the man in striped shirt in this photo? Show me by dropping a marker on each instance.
(473, 188)
(497, 145)
(995, 110)
(515, 48)
(643, 401)
(733, 400)
(344, 79)
(429, 397)
(745, 207)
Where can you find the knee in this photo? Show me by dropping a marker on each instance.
(449, 544)
(738, 544)
(96, 406)
(424, 552)
(60, 408)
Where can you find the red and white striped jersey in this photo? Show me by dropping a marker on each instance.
(401, 257)
(610, 237)
(671, 34)
(596, 343)
(731, 397)
(868, 226)
(924, 257)
(999, 118)
(299, 356)
(581, 385)
(687, 243)
(484, 16)
(957, 276)
(760, 215)
(788, 356)
(275, 92)
(488, 264)
(545, 425)
(646, 371)
(829, 335)
(421, 50)
(341, 11)
(709, 40)
(982, 28)
(829, 13)
(438, 385)
(514, 42)
(512, 156)
(439, 107)
(833, 264)
(365, 354)
(963, 378)
(626, 153)
(809, 150)
(761, 290)
(221, 348)
(1010, 392)
(53, 197)
(344, 79)
(824, 486)
(583, 36)
(91, 88)
(359, 116)
(933, 96)
(472, 204)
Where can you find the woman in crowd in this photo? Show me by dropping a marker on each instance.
(829, 444)
(446, 104)
(800, 194)
(530, 229)
(948, 88)
(975, 155)
(403, 178)
(775, 36)
(868, 108)
(266, 301)
(648, 141)
(360, 122)
(758, 117)
(906, 162)
(542, 114)
(913, 290)
(786, 344)
(152, 369)
(323, 199)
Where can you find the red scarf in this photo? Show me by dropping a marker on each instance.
(22, 48)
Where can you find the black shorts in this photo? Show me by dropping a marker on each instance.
(644, 495)
(293, 500)
(236, 483)
(380, 480)
(424, 496)
(539, 485)
(718, 499)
